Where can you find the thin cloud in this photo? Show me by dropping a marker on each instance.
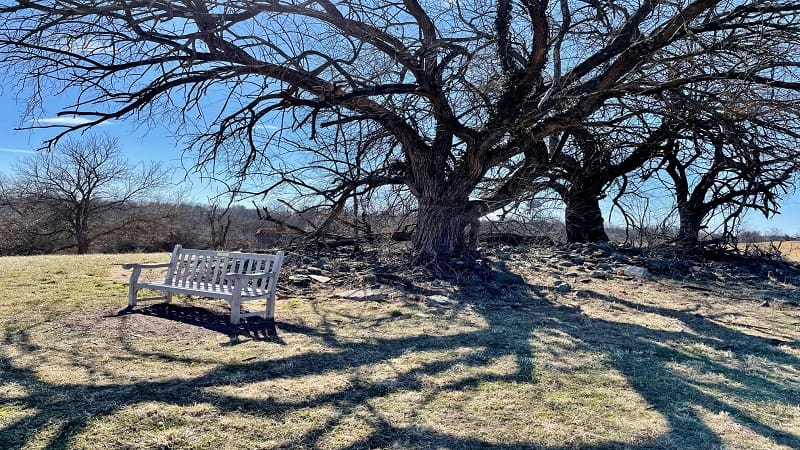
(16, 150)
(64, 121)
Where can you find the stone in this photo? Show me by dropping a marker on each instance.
(439, 299)
(502, 255)
(774, 275)
(635, 271)
(363, 294)
(370, 278)
(659, 265)
(441, 283)
(299, 280)
(319, 278)
(505, 277)
(314, 270)
(562, 286)
(599, 275)
(604, 266)
(619, 258)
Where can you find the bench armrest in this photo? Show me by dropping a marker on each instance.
(248, 276)
(145, 266)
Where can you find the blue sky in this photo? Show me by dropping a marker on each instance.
(155, 144)
(138, 144)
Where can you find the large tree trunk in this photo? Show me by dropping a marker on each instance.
(583, 218)
(82, 238)
(444, 231)
(690, 223)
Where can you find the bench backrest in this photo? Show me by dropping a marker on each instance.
(207, 269)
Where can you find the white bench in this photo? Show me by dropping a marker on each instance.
(230, 276)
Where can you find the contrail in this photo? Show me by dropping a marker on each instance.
(16, 150)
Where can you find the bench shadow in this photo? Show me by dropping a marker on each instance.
(250, 328)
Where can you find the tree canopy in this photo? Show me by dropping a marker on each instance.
(470, 104)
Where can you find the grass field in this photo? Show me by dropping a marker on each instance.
(618, 363)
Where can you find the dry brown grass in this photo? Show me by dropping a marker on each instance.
(619, 363)
(789, 250)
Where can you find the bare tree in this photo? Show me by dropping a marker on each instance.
(83, 189)
(470, 94)
(219, 221)
(728, 160)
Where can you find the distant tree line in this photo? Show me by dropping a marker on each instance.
(84, 196)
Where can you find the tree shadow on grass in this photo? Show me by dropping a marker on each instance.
(679, 380)
(647, 357)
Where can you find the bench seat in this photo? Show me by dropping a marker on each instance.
(212, 291)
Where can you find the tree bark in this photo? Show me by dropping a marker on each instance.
(689, 229)
(82, 238)
(583, 218)
(445, 231)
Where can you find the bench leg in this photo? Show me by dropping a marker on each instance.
(270, 312)
(168, 298)
(236, 303)
(236, 309)
(132, 289)
(132, 296)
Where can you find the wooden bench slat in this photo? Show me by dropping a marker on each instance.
(173, 263)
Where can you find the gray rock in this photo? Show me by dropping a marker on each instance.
(363, 294)
(599, 275)
(299, 280)
(503, 256)
(635, 271)
(370, 278)
(562, 286)
(604, 266)
(439, 299)
(619, 258)
(314, 270)
(658, 264)
(320, 278)
(505, 277)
